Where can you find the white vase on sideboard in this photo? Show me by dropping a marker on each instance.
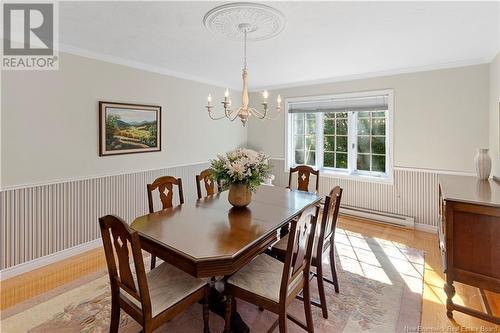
(482, 161)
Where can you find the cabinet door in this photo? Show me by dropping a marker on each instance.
(476, 245)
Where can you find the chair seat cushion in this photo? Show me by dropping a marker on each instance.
(262, 276)
(167, 286)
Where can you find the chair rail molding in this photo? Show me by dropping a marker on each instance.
(58, 181)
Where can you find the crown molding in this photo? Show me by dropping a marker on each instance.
(69, 49)
(65, 48)
(370, 75)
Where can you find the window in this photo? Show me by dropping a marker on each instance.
(371, 141)
(346, 134)
(304, 139)
(335, 140)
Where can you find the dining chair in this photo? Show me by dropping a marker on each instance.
(304, 173)
(165, 183)
(151, 298)
(324, 240)
(206, 177)
(273, 285)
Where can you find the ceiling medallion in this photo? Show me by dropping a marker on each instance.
(244, 21)
(264, 22)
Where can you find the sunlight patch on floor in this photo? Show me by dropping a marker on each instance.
(406, 263)
(366, 270)
(357, 257)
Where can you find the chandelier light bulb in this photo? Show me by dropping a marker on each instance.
(265, 94)
(209, 98)
(226, 94)
(278, 99)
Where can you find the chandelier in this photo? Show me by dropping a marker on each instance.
(236, 21)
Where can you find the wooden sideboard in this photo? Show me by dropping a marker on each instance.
(469, 237)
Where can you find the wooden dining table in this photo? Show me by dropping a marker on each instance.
(211, 238)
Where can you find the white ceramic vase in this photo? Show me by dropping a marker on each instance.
(483, 164)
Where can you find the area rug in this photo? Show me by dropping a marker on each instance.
(381, 285)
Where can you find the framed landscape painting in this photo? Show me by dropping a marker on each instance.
(128, 128)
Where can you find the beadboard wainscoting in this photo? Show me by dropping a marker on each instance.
(413, 194)
(37, 221)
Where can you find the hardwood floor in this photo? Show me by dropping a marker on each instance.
(26, 286)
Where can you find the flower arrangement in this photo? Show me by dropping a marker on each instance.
(241, 167)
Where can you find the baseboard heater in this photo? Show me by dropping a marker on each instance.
(393, 219)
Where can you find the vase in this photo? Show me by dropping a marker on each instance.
(239, 195)
(483, 164)
(268, 181)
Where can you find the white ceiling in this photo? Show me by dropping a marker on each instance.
(321, 41)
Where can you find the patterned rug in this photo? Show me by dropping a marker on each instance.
(381, 285)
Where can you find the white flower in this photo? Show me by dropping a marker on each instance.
(237, 169)
(241, 165)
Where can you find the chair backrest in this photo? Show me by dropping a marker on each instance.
(206, 177)
(165, 183)
(303, 177)
(118, 239)
(329, 217)
(299, 250)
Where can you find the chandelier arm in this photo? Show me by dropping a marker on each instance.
(271, 118)
(258, 114)
(232, 115)
(263, 116)
(215, 118)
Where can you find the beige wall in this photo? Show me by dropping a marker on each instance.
(440, 117)
(494, 114)
(50, 121)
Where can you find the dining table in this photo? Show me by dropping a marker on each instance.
(210, 237)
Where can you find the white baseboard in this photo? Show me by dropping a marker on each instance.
(49, 259)
(427, 228)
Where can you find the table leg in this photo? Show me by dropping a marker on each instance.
(228, 315)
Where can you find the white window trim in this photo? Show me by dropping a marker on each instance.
(388, 177)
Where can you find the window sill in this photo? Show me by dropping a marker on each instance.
(357, 176)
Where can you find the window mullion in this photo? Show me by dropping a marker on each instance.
(319, 141)
(388, 150)
(370, 142)
(291, 140)
(352, 141)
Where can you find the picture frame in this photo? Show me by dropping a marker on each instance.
(128, 128)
